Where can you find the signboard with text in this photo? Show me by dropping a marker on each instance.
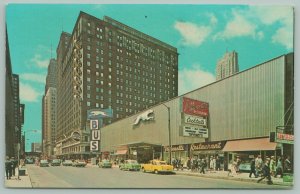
(193, 120)
(195, 131)
(194, 107)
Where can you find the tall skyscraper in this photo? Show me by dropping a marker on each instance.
(13, 125)
(108, 65)
(49, 111)
(227, 65)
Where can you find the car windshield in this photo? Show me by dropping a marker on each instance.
(162, 162)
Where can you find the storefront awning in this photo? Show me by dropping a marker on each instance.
(249, 145)
(121, 152)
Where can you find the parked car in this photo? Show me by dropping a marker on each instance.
(79, 163)
(44, 163)
(29, 161)
(130, 165)
(67, 163)
(158, 166)
(55, 162)
(105, 164)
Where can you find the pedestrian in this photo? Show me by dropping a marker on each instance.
(202, 166)
(266, 172)
(188, 164)
(258, 166)
(279, 168)
(287, 165)
(272, 166)
(218, 163)
(238, 162)
(13, 166)
(8, 168)
(232, 170)
(252, 168)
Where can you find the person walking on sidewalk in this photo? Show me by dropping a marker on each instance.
(8, 168)
(258, 166)
(13, 166)
(272, 166)
(287, 165)
(252, 168)
(279, 168)
(266, 172)
(202, 166)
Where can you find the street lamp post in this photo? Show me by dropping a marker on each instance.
(169, 128)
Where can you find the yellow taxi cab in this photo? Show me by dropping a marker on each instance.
(157, 166)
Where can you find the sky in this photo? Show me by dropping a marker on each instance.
(201, 33)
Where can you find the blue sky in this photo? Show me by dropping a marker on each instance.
(201, 33)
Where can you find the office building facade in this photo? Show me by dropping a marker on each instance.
(49, 111)
(108, 65)
(227, 65)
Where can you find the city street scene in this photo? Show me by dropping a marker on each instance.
(149, 96)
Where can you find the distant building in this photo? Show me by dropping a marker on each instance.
(49, 111)
(36, 147)
(227, 65)
(105, 64)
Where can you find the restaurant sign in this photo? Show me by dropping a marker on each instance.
(183, 147)
(194, 107)
(217, 145)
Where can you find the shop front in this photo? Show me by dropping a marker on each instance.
(247, 149)
(180, 152)
(210, 151)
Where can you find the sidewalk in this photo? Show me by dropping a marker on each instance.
(239, 177)
(22, 182)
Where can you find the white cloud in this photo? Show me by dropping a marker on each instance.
(237, 27)
(192, 34)
(28, 93)
(283, 15)
(191, 79)
(38, 61)
(33, 77)
(284, 37)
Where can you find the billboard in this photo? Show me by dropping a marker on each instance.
(99, 113)
(194, 107)
(195, 131)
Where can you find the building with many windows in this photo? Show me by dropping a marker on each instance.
(105, 64)
(49, 111)
(227, 65)
(13, 122)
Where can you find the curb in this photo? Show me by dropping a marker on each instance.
(290, 184)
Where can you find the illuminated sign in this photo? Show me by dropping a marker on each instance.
(284, 138)
(194, 107)
(94, 124)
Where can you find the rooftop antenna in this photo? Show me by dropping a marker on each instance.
(51, 52)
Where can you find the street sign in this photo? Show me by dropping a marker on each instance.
(94, 124)
(95, 135)
(94, 146)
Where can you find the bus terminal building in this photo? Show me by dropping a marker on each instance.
(230, 117)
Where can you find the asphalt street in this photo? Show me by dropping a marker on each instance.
(94, 177)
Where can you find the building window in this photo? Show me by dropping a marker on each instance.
(88, 103)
